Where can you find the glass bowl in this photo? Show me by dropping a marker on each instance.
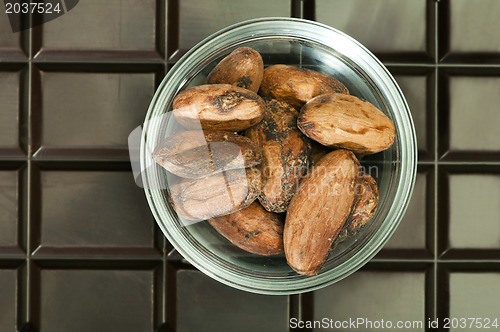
(306, 44)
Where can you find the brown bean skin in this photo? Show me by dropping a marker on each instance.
(318, 151)
(339, 120)
(243, 67)
(252, 229)
(319, 210)
(285, 152)
(363, 210)
(197, 153)
(297, 86)
(218, 107)
(215, 195)
(366, 205)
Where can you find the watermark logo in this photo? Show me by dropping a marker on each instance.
(25, 14)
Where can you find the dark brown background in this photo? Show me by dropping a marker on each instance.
(79, 249)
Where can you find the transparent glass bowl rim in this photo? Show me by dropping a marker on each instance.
(276, 27)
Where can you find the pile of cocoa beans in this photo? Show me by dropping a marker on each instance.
(274, 167)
